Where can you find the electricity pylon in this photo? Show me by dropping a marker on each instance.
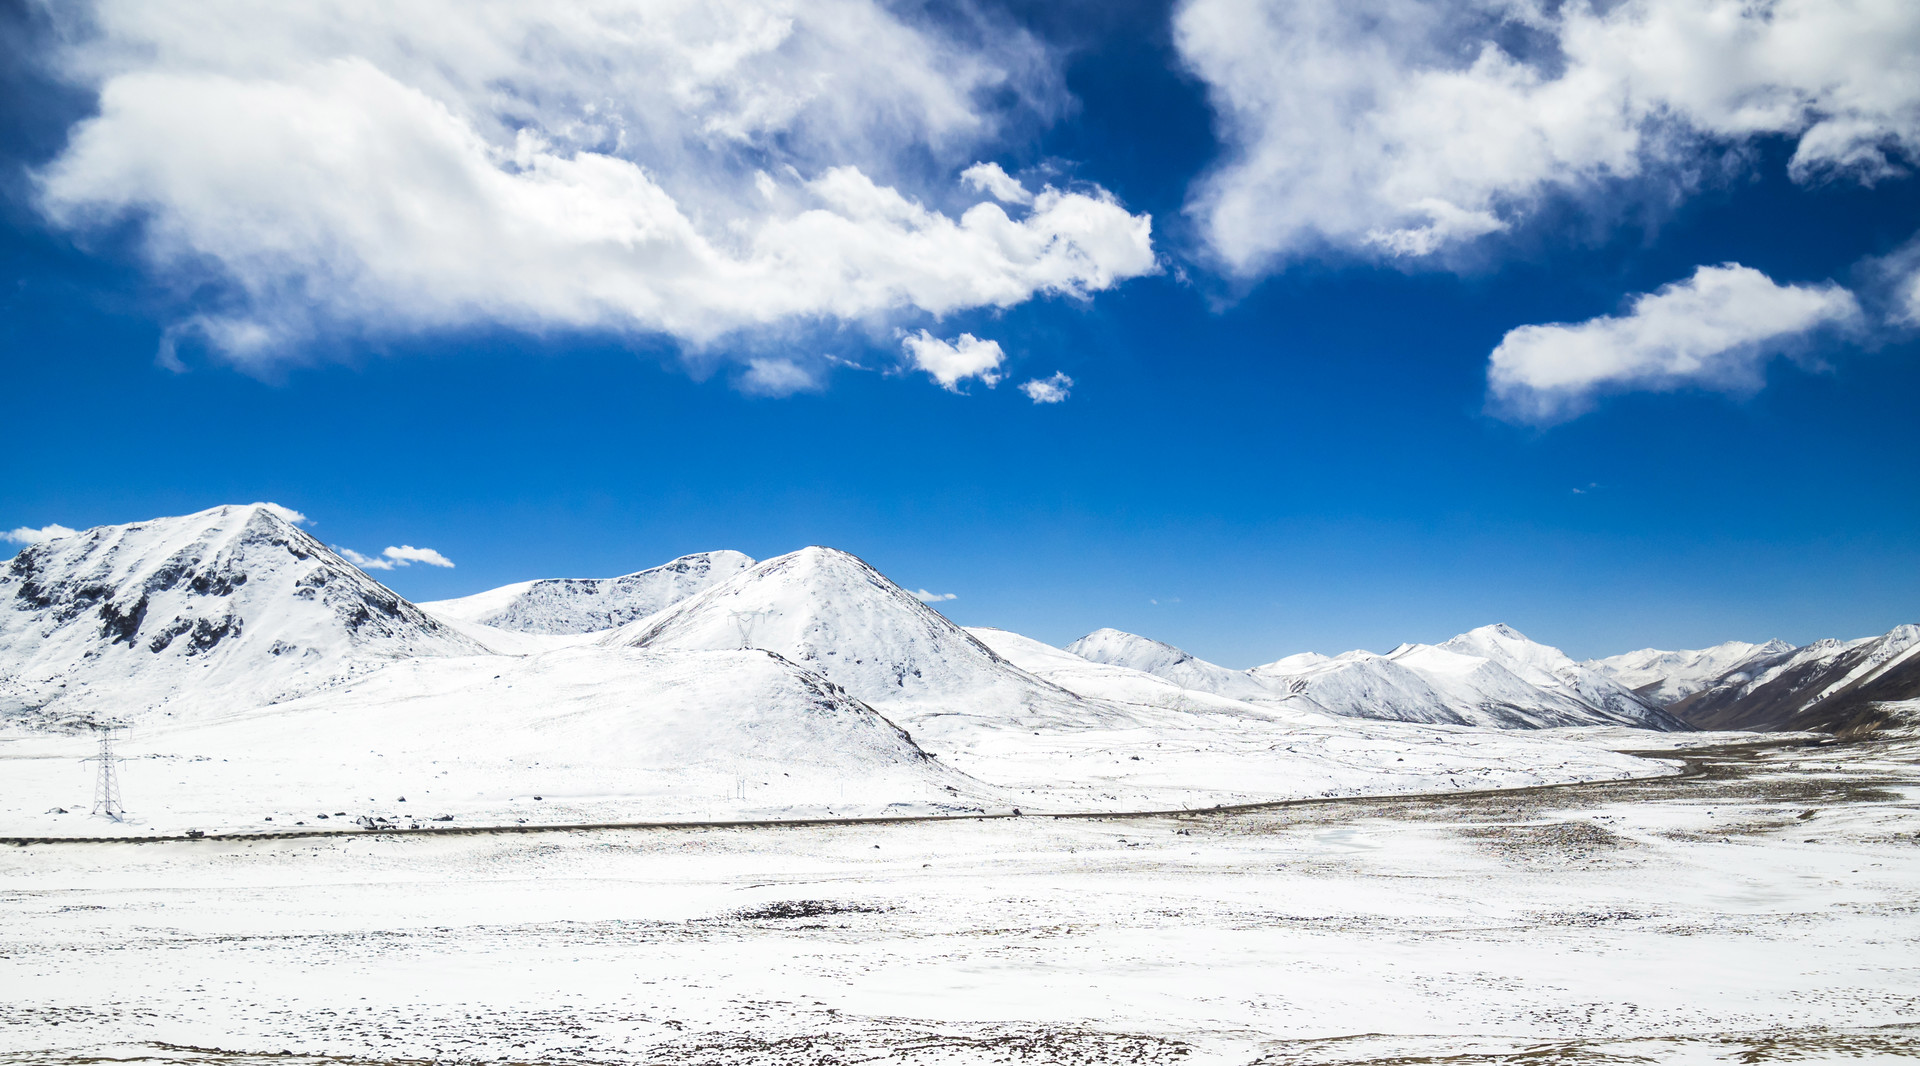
(744, 622)
(106, 787)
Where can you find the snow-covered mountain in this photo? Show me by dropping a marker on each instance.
(1551, 671)
(1491, 676)
(587, 605)
(266, 676)
(1666, 677)
(833, 614)
(1363, 685)
(1117, 648)
(233, 606)
(1829, 684)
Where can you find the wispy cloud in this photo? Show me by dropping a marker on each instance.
(1715, 330)
(403, 555)
(1048, 390)
(933, 597)
(27, 535)
(777, 377)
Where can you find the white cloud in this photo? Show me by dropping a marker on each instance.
(990, 179)
(407, 553)
(404, 555)
(287, 513)
(1048, 390)
(1716, 329)
(777, 377)
(951, 362)
(364, 562)
(1909, 307)
(933, 597)
(682, 168)
(1891, 285)
(1401, 128)
(28, 535)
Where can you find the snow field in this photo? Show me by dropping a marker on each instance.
(1704, 919)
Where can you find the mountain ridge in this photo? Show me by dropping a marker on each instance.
(1491, 676)
(231, 603)
(572, 606)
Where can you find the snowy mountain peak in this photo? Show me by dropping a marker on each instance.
(1117, 647)
(1491, 676)
(1830, 684)
(1510, 648)
(118, 619)
(831, 613)
(587, 605)
(1298, 661)
(1551, 671)
(1666, 677)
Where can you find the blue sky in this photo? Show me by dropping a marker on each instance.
(1281, 432)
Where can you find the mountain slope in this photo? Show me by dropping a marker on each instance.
(831, 613)
(231, 606)
(1551, 671)
(1827, 685)
(1361, 684)
(582, 734)
(587, 605)
(1116, 648)
(1666, 677)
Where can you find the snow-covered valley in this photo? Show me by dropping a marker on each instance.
(726, 811)
(1759, 910)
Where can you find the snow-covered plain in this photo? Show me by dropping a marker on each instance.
(784, 812)
(1761, 911)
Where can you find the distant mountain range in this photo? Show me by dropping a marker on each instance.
(269, 679)
(1830, 685)
(1492, 676)
(237, 606)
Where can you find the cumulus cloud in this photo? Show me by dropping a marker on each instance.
(1403, 129)
(954, 361)
(1048, 390)
(933, 597)
(1716, 330)
(692, 169)
(28, 535)
(404, 555)
(287, 513)
(990, 179)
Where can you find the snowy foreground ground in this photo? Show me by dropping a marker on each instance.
(1765, 908)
